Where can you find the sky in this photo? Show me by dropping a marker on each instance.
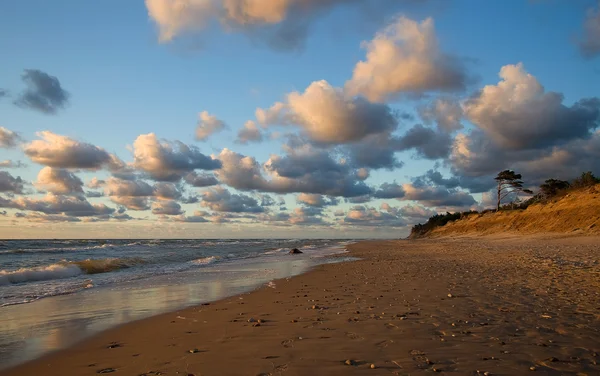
(285, 118)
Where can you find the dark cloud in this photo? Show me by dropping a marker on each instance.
(427, 142)
(132, 194)
(169, 160)
(3, 93)
(11, 184)
(167, 191)
(200, 180)
(306, 170)
(432, 177)
(93, 194)
(166, 208)
(445, 112)
(390, 190)
(75, 206)
(44, 92)
(221, 200)
(8, 138)
(438, 197)
(376, 152)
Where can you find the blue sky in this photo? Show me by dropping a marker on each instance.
(122, 83)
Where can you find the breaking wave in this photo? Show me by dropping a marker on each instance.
(66, 269)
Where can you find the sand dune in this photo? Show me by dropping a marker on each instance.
(577, 212)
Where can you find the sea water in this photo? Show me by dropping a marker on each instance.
(54, 293)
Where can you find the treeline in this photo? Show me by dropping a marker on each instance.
(550, 189)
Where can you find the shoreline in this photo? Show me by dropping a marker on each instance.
(391, 309)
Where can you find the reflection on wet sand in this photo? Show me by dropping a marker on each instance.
(30, 330)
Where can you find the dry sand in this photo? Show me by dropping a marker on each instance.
(495, 305)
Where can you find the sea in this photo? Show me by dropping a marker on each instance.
(54, 293)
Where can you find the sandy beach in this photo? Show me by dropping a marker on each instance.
(465, 306)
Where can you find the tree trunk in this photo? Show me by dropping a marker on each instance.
(499, 196)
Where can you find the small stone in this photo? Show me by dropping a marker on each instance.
(193, 351)
(532, 368)
(450, 295)
(315, 307)
(106, 370)
(436, 369)
(251, 320)
(260, 321)
(294, 321)
(256, 324)
(373, 366)
(349, 362)
(487, 374)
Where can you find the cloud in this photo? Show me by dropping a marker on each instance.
(198, 217)
(44, 92)
(589, 43)
(96, 183)
(221, 200)
(328, 115)
(519, 114)
(208, 125)
(283, 24)
(59, 181)
(169, 161)
(367, 216)
(376, 152)
(63, 152)
(249, 133)
(316, 200)
(75, 206)
(132, 194)
(390, 190)
(3, 93)
(432, 196)
(405, 58)
(445, 112)
(200, 180)
(301, 216)
(428, 143)
(46, 218)
(12, 164)
(166, 208)
(302, 170)
(9, 183)
(8, 138)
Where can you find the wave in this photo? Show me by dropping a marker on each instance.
(204, 260)
(66, 269)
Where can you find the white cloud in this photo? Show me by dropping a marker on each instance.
(249, 133)
(169, 161)
(518, 113)
(405, 58)
(208, 125)
(328, 115)
(58, 181)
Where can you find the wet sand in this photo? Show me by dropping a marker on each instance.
(505, 306)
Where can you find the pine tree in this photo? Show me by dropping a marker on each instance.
(509, 182)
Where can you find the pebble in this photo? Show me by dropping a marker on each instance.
(349, 362)
(532, 368)
(372, 366)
